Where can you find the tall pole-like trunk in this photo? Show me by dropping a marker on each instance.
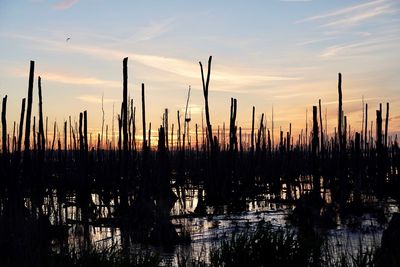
(386, 124)
(314, 148)
(340, 112)
(166, 128)
(42, 141)
(21, 125)
(125, 107)
(366, 126)
(252, 130)
(379, 130)
(232, 125)
(322, 132)
(144, 117)
(29, 110)
(4, 126)
(205, 92)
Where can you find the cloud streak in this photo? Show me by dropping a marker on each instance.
(353, 15)
(70, 79)
(362, 47)
(65, 4)
(229, 78)
(96, 99)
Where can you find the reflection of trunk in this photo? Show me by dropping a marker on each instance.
(163, 231)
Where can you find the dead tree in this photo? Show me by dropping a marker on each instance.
(21, 125)
(340, 112)
(366, 126)
(166, 128)
(4, 126)
(252, 131)
(207, 111)
(314, 147)
(386, 124)
(232, 126)
(178, 138)
(41, 141)
(144, 118)
(125, 107)
(29, 110)
(379, 131)
(322, 132)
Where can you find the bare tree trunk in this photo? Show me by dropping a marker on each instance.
(4, 126)
(21, 125)
(340, 112)
(205, 92)
(144, 118)
(386, 124)
(366, 126)
(29, 110)
(166, 128)
(41, 138)
(252, 130)
(322, 132)
(124, 114)
(315, 143)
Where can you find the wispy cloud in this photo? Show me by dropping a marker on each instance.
(65, 4)
(295, 0)
(69, 78)
(353, 15)
(354, 100)
(313, 41)
(154, 29)
(96, 99)
(230, 78)
(357, 18)
(360, 47)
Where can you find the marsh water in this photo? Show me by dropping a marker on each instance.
(221, 222)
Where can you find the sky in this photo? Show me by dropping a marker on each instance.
(280, 54)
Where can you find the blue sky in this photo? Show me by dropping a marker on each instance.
(284, 54)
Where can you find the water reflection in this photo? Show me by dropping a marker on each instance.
(219, 222)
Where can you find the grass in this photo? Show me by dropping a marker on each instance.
(286, 246)
(112, 256)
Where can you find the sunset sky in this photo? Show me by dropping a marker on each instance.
(285, 54)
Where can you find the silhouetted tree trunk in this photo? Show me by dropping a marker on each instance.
(386, 124)
(205, 92)
(4, 127)
(21, 125)
(322, 132)
(315, 142)
(144, 117)
(41, 139)
(340, 112)
(124, 114)
(29, 111)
